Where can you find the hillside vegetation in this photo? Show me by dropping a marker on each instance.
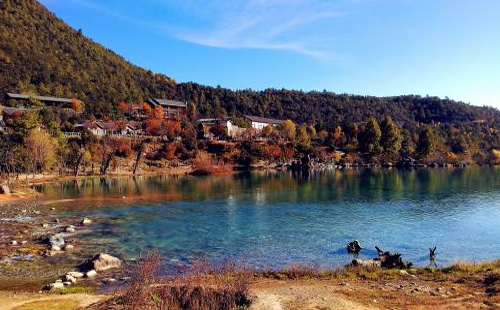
(39, 53)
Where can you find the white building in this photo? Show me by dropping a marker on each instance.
(260, 123)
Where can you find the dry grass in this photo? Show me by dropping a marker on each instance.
(202, 288)
(203, 165)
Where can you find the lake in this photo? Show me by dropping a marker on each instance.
(277, 219)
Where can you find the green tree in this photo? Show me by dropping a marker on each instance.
(427, 142)
(369, 138)
(391, 136)
(407, 144)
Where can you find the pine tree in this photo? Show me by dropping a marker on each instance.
(391, 136)
(369, 138)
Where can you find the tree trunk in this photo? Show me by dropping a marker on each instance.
(138, 157)
(78, 163)
(105, 164)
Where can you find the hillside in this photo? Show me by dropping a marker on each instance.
(39, 53)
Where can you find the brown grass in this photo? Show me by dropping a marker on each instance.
(202, 288)
(204, 165)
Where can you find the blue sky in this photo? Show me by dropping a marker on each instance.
(368, 47)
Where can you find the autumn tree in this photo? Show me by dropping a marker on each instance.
(391, 136)
(369, 138)
(123, 107)
(40, 149)
(158, 112)
(76, 105)
(146, 109)
(304, 140)
(288, 130)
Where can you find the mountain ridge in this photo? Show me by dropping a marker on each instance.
(40, 53)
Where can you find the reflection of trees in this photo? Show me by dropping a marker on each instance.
(367, 185)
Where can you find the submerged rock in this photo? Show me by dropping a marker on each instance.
(102, 262)
(56, 240)
(86, 221)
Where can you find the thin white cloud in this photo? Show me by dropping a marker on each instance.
(292, 25)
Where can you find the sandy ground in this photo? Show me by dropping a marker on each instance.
(18, 301)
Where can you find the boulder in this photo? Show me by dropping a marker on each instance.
(68, 247)
(91, 273)
(102, 262)
(86, 221)
(56, 240)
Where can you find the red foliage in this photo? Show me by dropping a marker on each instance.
(153, 126)
(158, 112)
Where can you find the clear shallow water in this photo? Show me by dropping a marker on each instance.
(274, 220)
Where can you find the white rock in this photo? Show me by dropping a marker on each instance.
(55, 248)
(75, 274)
(70, 229)
(102, 262)
(14, 242)
(68, 278)
(69, 247)
(45, 225)
(90, 274)
(67, 283)
(86, 221)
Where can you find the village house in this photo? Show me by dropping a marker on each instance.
(209, 125)
(63, 103)
(259, 123)
(101, 129)
(171, 108)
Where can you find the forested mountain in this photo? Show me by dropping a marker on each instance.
(39, 53)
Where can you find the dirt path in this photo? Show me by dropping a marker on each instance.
(303, 294)
(32, 301)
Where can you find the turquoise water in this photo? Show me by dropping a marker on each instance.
(278, 219)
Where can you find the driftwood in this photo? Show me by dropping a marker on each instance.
(391, 260)
(432, 253)
(353, 247)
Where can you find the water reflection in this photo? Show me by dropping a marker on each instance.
(274, 219)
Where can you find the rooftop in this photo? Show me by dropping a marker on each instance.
(41, 98)
(258, 119)
(168, 103)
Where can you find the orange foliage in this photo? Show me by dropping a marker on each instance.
(153, 126)
(106, 118)
(173, 128)
(76, 105)
(123, 107)
(158, 112)
(146, 108)
(170, 151)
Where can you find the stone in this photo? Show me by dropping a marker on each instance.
(55, 248)
(14, 242)
(103, 261)
(70, 229)
(86, 221)
(54, 286)
(67, 283)
(75, 274)
(68, 247)
(91, 273)
(56, 240)
(69, 278)
(4, 190)
(52, 209)
(109, 280)
(45, 225)
(56, 220)
(366, 263)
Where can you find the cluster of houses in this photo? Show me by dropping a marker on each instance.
(133, 127)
